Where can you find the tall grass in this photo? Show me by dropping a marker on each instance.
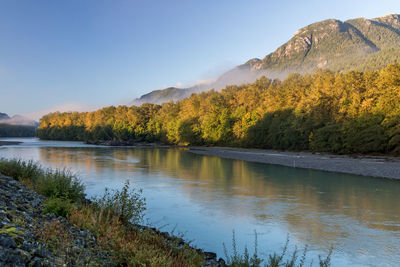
(282, 259)
(59, 183)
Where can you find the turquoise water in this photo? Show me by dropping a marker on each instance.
(206, 197)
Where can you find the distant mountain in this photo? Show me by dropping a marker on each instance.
(16, 120)
(4, 116)
(17, 126)
(357, 44)
(160, 96)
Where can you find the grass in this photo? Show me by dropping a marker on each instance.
(61, 243)
(62, 184)
(273, 260)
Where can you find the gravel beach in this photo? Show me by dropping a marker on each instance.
(376, 166)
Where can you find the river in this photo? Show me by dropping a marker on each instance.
(205, 198)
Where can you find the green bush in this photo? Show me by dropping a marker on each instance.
(59, 206)
(61, 184)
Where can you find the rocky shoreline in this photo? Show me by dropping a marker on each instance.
(29, 237)
(26, 232)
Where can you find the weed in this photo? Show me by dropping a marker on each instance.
(128, 204)
(274, 260)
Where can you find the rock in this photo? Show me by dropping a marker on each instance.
(36, 262)
(7, 242)
(15, 259)
(26, 256)
(23, 237)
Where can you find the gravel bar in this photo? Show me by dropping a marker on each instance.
(376, 166)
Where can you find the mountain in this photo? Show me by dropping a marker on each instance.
(16, 120)
(164, 95)
(4, 116)
(17, 126)
(356, 44)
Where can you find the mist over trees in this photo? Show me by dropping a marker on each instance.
(351, 112)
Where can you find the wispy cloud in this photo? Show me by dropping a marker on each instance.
(66, 107)
(202, 82)
(178, 85)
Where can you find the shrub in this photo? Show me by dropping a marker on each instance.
(59, 207)
(128, 204)
(61, 184)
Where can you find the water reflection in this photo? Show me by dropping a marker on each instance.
(209, 196)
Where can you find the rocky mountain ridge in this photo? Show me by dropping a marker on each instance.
(356, 44)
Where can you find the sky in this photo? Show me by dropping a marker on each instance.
(86, 54)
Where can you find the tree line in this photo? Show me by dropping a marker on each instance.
(351, 112)
(10, 130)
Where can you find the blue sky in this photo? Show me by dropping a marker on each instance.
(77, 54)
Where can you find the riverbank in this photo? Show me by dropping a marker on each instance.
(376, 166)
(84, 232)
(29, 237)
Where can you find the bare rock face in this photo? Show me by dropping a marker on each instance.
(391, 20)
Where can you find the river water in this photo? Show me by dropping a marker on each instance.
(206, 198)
